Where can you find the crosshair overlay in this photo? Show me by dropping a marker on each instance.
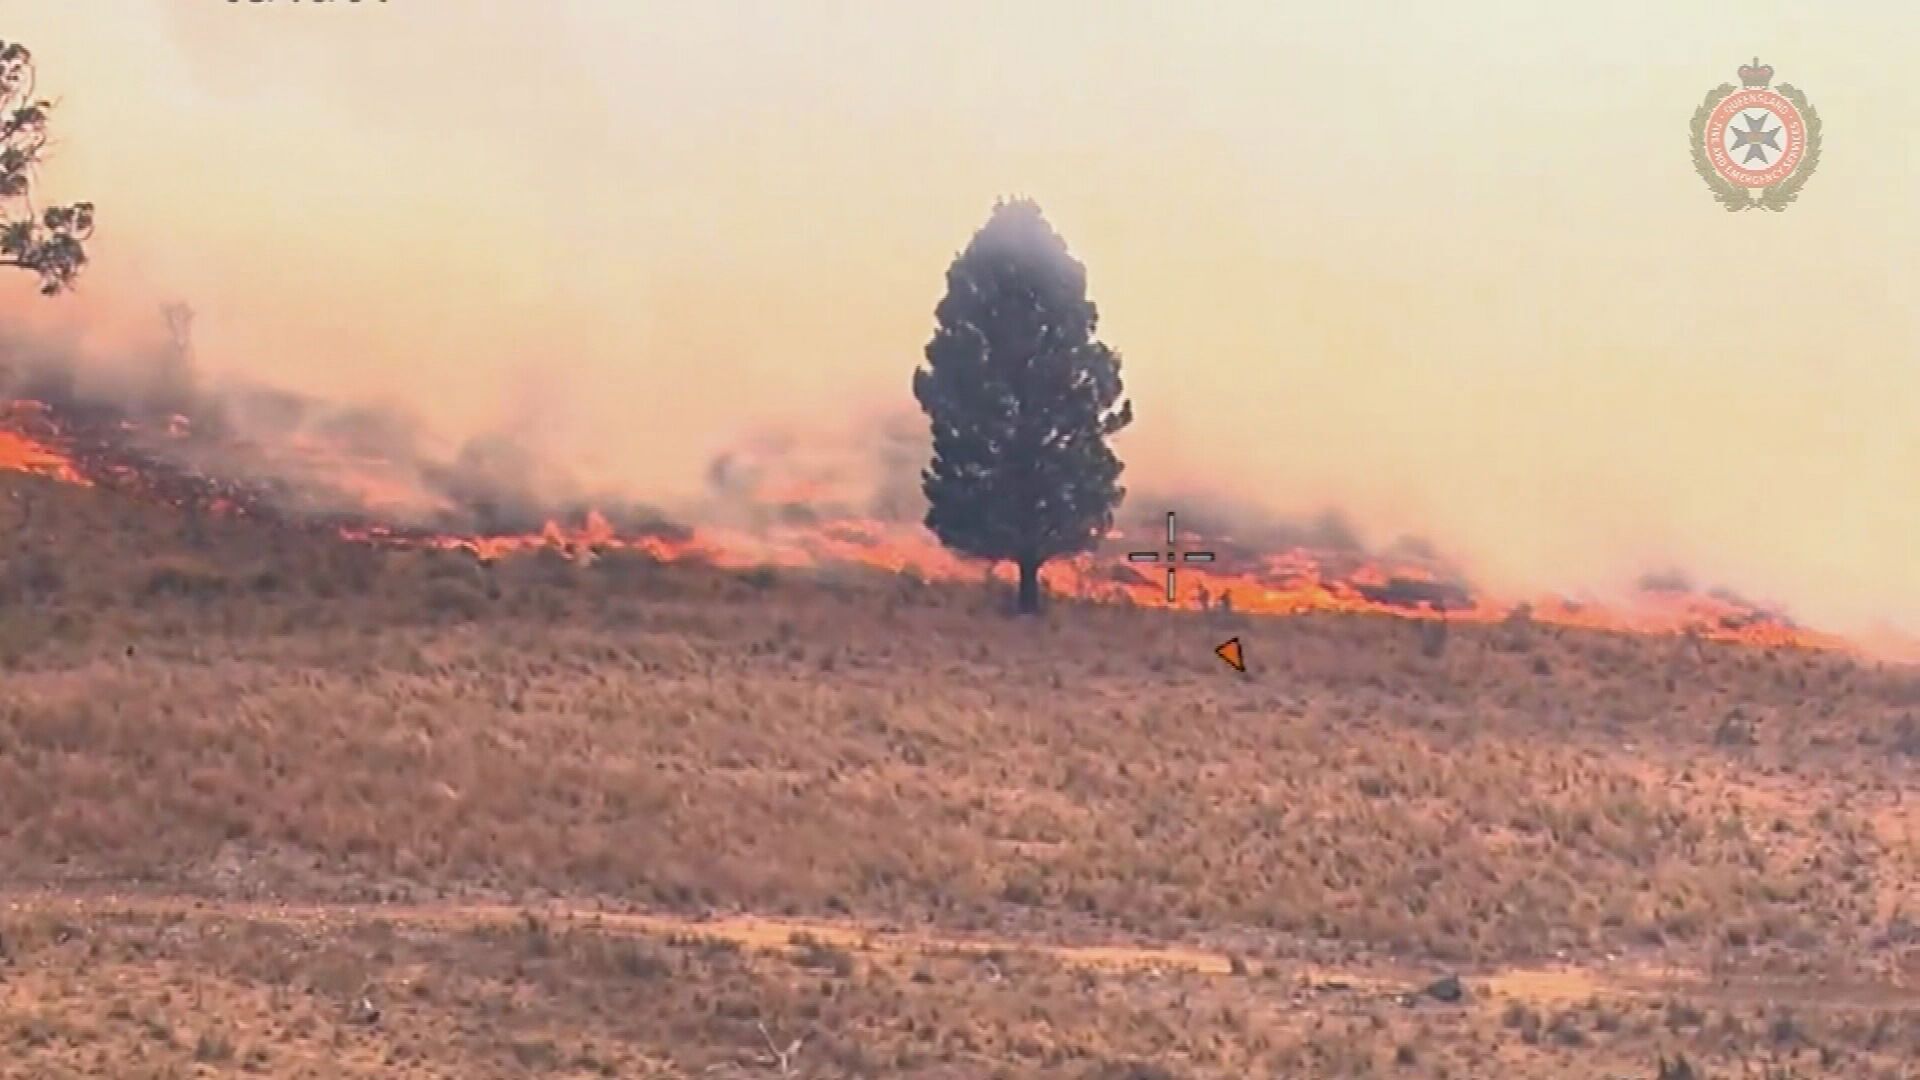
(1172, 558)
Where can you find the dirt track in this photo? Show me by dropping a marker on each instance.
(1534, 985)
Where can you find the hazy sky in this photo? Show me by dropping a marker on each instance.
(1445, 266)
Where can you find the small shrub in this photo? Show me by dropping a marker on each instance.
(640, 961)
(1906, 736)
(455, 599)
(822, 956)
(181, 576)
(1130, 1070)
(213, 1048)
(1677, 1069)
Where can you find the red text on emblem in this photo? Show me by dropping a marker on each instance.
(1794, 128)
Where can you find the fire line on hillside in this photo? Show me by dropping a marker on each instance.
(121, 455)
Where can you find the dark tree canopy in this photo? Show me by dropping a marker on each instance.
(1021, 399)
(49, 242)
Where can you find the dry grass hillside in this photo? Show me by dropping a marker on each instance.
(279, 804)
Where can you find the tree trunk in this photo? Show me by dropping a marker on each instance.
(1029, 587)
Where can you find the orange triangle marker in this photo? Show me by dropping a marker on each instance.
(1229, 650)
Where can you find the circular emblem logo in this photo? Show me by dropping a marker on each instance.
(1755, 138)
(1755, 146)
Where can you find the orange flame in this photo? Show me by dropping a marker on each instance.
(1291, 581)
(20, 451)
(21, 454)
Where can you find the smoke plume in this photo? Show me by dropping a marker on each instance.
(526, 258)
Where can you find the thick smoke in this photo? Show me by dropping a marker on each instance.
(790, 474)
(298, 456)
(784, 475)
(1563, 379)
(290, 453)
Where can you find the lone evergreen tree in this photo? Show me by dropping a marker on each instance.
(51, 243)
(1021, 399)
